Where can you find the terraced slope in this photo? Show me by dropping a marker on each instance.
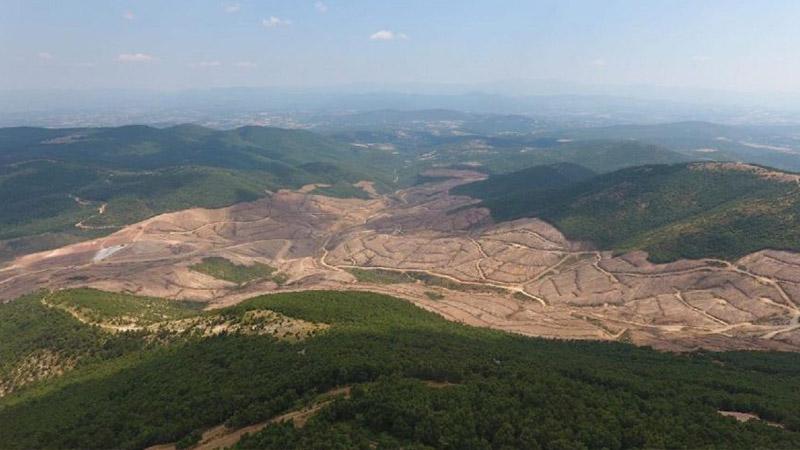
(697, 210)
(383, 373)
(445, 254)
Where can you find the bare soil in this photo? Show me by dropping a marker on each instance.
(543, 284)
(746, 417)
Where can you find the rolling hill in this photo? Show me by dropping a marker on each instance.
(695, 210)
(598, 155)
(513, 187)
(359, 370)
(501, 154)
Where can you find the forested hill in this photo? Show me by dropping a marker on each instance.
(513, 187)
(414, 380)
(695, 210)
(139, 146)
(52, 179)
(770, 145)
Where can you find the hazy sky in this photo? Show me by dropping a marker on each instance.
(729, 44)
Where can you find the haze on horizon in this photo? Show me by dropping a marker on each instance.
(149, 44)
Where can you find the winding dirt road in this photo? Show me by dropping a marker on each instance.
(538, 282)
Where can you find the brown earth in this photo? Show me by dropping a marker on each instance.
(759, 171)
(545, 285)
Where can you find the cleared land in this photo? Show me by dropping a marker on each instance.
(522, 276)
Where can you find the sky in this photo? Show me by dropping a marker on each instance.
(178, 44)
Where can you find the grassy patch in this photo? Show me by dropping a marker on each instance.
(434, 295)
(342, 190)
(522, 297)
(224, 269)
(382, 276)
(433, 280)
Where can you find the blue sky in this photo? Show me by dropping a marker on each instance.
(172, 44)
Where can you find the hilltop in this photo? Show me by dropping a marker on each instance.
(304, 370)
(694, 210)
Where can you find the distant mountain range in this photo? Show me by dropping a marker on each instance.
(776, 146)
(577, 104)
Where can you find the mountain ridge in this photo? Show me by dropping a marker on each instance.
(690, 210)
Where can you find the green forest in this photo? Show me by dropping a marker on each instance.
(418, 381)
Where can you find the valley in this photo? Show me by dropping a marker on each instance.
(521, 276)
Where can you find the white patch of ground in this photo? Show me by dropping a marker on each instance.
(705, 150)
(746, 417)
(104, 253)
(776, 148)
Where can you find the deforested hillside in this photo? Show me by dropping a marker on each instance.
(696, 210)
(71, 184)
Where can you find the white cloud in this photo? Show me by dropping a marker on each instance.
(599, 62)
(134, 57)
(321, 7)
(274, 22)
(129, 15)
(387, 35)
(246, 64)
(206, 64)
(231, 8)
(45, 55)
